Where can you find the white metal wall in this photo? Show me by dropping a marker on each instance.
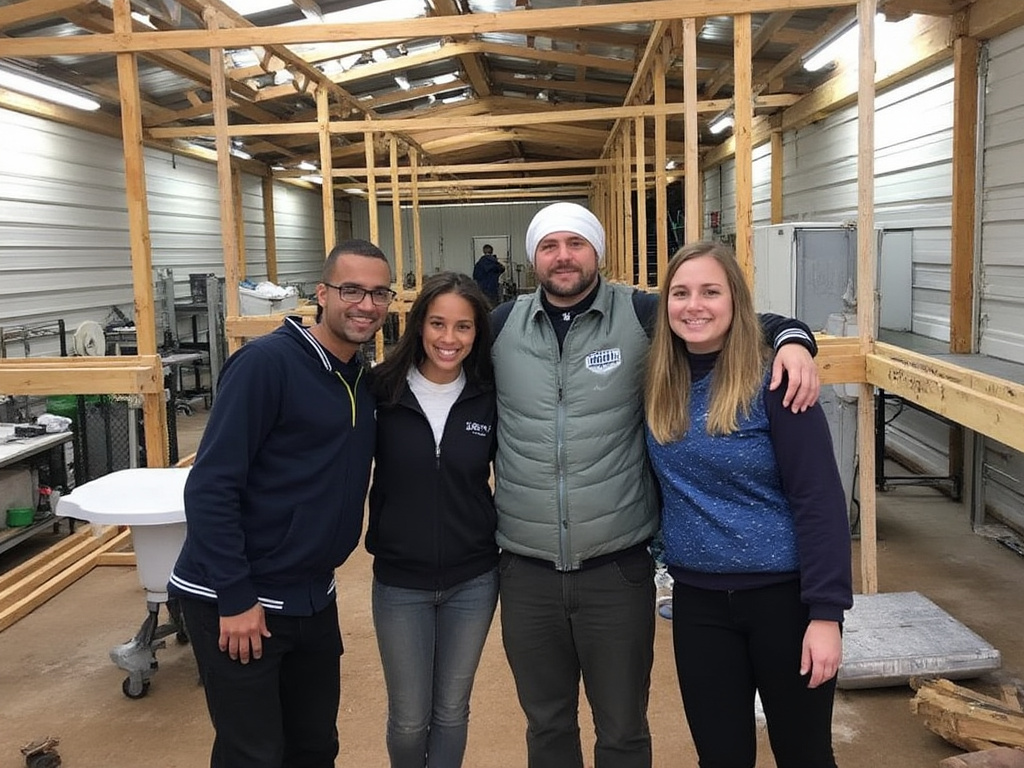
(913, 194)
(1000, 282)
(64, 242)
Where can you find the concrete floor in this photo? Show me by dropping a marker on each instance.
(56, 678)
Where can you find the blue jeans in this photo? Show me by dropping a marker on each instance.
(430, 644)
(598, 624)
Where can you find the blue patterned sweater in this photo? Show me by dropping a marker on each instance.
(760, 506)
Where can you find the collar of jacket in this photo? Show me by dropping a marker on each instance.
(602, 301)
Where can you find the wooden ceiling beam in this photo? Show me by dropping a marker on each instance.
(36, 10)
(644, 11)
(588, 87)
(988, 18)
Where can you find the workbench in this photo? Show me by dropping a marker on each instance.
(22, 453)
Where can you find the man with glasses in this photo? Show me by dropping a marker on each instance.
(273, 504)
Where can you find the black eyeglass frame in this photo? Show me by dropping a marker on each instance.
(381, 297)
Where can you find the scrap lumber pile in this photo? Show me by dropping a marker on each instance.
(970, 720)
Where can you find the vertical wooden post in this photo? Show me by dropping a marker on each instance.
(691, 165)
(269, 227)
(641, 201)
(743, 116)
(236, 197)
(371, 202)
(154, 411)
(965, 153)
(414, 165)
(229, 239)
(626, 164)
(866, 270)
(660, 158)
(371, 188)
(777, 176)
(396, 214)
(323, 120)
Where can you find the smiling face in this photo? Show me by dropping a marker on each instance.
(700, 304)
(448, 333)
(566, 267)
(343, 327)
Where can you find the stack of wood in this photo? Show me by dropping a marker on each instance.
(992, 728)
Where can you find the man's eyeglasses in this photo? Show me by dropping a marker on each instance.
(353, 294)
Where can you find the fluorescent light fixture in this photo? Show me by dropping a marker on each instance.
(839, 46)
(34, 87)
(143, 19)
(451, 77)
(402, 82)
(353, 191)
(720, 123)
(251, 7)
(385, 10)
(305, 165)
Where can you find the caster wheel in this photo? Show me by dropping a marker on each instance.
(181, 636)
(133, 691)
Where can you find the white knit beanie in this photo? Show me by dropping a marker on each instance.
(565, 217)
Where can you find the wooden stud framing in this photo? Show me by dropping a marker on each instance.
(323, 119)
(414, 160)
(660, 180)
(965, 153)
(269, 228)
(743, 116)
(154, 414)
(641, 201)
(691, 164)
(396, 213)
(777, 177)
(866, 267)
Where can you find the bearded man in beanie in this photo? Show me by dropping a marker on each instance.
(576, 500)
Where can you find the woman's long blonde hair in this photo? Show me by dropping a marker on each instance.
(739, 370)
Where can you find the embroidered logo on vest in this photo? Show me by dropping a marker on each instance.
(604, 360)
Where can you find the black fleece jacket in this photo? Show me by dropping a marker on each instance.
(432, 516)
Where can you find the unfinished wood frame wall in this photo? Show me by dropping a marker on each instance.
(611, 178)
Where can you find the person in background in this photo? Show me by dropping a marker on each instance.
(432, 520)
(575, 496)
(754, 521)
(487, 272)
(273, 505)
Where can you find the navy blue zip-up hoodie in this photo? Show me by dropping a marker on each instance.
(275, 500)
(432, 516)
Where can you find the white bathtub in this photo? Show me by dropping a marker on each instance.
(151, 502)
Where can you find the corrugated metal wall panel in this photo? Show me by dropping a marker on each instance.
(1000, 284)
(64, 225)
(1002, 216)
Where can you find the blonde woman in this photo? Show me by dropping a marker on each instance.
(754, 521)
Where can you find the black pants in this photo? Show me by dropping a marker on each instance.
(597, 624)
(279, 711)
(729, 645)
